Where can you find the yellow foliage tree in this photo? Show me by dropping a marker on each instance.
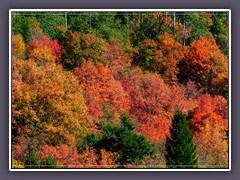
(48, 104)
(18, 46)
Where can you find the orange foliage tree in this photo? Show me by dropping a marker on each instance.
(69, 158)
(209, 126)
(101, 89)
(44, 50)
(166, 58)
(161, 56)
(206, 65)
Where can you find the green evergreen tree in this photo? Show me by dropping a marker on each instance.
(180, 148)
(49, 163)
(50, 21)
(130, 146)
(32, 160)
(219, 29)
(26, 25)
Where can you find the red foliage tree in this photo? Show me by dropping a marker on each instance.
(217, 105)
(209, 126)
(69, 158)
(45, 43)
(180, 101)
(66, 157)
(101, 89)
(150, 104)
(118, 61)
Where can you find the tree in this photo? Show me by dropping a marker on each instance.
(82, 47)
(64, 156)
(32, 160)
(200, 23)
(220, 85)
(180, 148)
(80, 21)
(122, 140)
(148, 25)
(48, 104)
(18, 46)
(118, 61)
(166, 58)
(194, 24)
(107, 26)
(211, 140)
(26, 25)
(217, 106)
(100, 88)
(49, 162)
(145, 55)
(206, 65)
(49, 21)
(16, 163)
(219, 29)
(108, 159)
(209, 125)
(45, 49)
(150, 104)
(161, 56)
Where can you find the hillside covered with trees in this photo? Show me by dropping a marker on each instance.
(119, 90)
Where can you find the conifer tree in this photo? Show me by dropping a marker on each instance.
(32, 160)
(180, 148)
(121, 139)
(49, 162)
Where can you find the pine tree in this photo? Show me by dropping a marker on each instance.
(49, 162)
(121, 139)
(180, 148)
(32, 160)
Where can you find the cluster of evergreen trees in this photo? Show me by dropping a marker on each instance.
(180, 148)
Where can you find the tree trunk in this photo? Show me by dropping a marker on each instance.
(184, 32)
(159, 23)
(66, 19)
(174, 24)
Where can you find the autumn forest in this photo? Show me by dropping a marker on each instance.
(119, 89)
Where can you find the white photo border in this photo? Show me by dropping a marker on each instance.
(122, 10)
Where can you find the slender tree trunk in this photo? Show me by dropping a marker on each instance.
(66, 19)
(90, 20)
(159, 23)
(128, 26)
(139, 17)
(184, 32)
(174, 24)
